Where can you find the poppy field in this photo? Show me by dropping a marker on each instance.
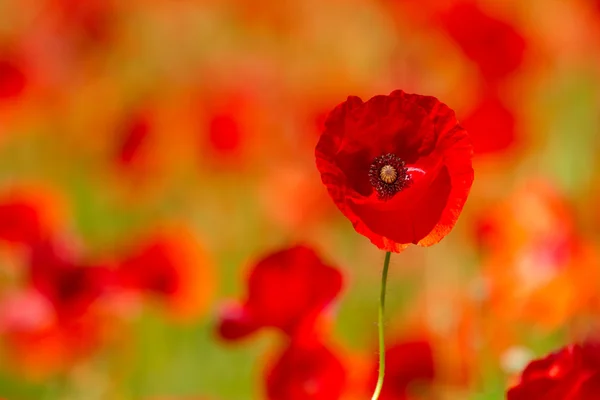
(311, 200)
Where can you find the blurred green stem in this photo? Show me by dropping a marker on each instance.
(384, 274)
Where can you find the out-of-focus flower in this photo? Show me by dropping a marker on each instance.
(29, 215)
(294, 198)
(221, 129)
(537, 267)
(13, 79)
(288, 290)
(147, 145)
(446, 318)
(494, 45)
(88, 23)
(172, 266)
(136, 136)
(18, 87)
(306, 370)
(135, 132)
(547, 284)
(534, 211)
(224, 133)
(70, 287)
(572, 373)
(491, 125)
(398, 167)
(410, 368)
(38, 344)
(227, 127)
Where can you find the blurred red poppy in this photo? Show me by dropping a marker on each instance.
(135, 132)
(293, 198)
(150, 269)
(410, 367)
(13, 80)
(88, 23)
(494, 45)
(70, 287)
(572, 373)
(20, 222)
(38, 344)
(307, 370)
(140, 144)
(224, 133)
(398, 166)
(28, 215)
(287, 290)
(171, 265)
(491, 126)
(536, 211)
(538, 267)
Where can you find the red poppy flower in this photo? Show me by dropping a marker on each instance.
(306, 371)
(491, 126)
(37, 343)
(12, 79)
(141, 148)
(90, 22)
(293, 197)
(151, 269)
(20, 222)
(538, 268)
(224, 133)
(573, 373)
(172, 266)
(287, 289)
(409, 368)
(69, 286)
(494, 45)
(398, 166)
(28, 216)
(135, 132)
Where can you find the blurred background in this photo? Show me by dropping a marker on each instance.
(173, 142)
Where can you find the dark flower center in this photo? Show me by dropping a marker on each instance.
(388, 175)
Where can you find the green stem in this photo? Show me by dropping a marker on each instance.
(384, 274)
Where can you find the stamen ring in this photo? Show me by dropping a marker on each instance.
(388, 175)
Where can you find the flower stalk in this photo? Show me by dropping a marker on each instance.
(384, 274)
